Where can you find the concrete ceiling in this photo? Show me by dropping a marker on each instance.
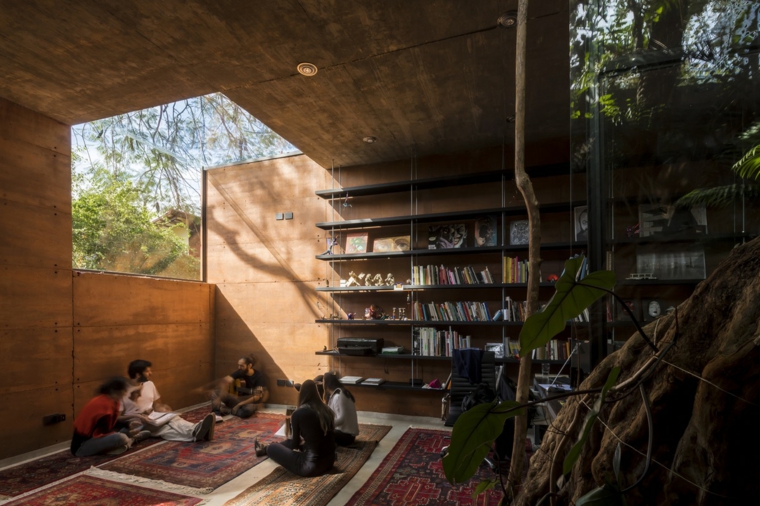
(423, 76)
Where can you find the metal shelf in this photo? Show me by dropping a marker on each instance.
(440, 182)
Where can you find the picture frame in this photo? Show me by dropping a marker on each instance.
(357, 242)
(659, 219)
(496, 348)
(580, 219)
(386, 244)
(447, 236)
(671, 261)
(485, 231)
(519, 232)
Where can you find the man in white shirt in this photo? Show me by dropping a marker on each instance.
(148, 405)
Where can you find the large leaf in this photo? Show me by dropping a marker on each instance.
(472, 436)
(749, 165)
(482, 487)
(602, 496)
(569, 300)
(593, 414)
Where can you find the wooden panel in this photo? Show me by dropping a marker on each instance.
(175, 386)
(21, 419)
(35, 175)
(27, 126)
(36, 237)
(293, 261)
(34, 359)
(35, 297)
(167, 346)
(140, 300)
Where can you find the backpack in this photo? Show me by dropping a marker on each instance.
(482, 394)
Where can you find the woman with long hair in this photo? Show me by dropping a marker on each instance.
(313, 421)
(343, 404)
(95, 426)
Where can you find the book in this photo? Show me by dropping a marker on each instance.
(351, 380)
(373, 381)
(160, 418)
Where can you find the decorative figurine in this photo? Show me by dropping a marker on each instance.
(331, 242)
(350, 316)
(367, 278)
(352, 281)
(377, 280)
(552, 278)
(390, 280)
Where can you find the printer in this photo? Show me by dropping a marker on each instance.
(360, 346)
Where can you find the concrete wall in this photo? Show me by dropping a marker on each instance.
(264, 269)
(62, 332)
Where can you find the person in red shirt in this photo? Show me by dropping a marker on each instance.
(94, 432)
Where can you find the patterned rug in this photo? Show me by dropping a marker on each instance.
(40, 472)
(281, 487)
(412, 473)
(201, 467)
(86, 490)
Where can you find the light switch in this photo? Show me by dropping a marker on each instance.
(278, 216)
(288, 216)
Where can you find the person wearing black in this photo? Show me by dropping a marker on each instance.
(250, 393)
(313, 421)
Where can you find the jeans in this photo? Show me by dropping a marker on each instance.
(98, 445)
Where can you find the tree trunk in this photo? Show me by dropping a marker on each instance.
(534, 243)
(705, 431)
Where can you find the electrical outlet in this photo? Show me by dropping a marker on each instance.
(53, 419)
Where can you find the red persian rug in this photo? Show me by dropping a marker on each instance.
(88, 490)
(203, 466)
(40, 472)
(412, 473)
(282, 487)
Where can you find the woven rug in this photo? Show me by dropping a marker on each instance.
(281, 487)
(86, 490)
(40, 472)
(200, 467)
(412, 473)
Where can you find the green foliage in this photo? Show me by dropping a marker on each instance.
(607, 495)
(483, 486)
(593, 414)
(472, 436)
(113, 230)
(749, 165)
(569, 300)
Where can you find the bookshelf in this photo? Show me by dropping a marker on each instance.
(413, 290)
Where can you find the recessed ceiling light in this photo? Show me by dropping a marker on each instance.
(508, 19)
(369, 139)
(307, 69)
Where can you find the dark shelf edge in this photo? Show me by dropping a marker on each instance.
(425, 218)
(441, 182)
(417, 323)
(506, 360)
(453, 251)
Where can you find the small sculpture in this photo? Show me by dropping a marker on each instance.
(352, 281)
(366, 278)
(331, 242)
(377, 280)
(390, 280)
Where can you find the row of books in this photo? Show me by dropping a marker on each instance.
(442, 275)
(515, 270)
(553, 350)
(431, 342)
(451, 311)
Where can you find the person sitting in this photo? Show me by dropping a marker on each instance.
(343, 404)
(313, 421)
(252, 391)
(94, 432)
(149, 400)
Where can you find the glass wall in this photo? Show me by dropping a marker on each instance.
(666, 124)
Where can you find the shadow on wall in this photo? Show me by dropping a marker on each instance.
(282, 270)
(239, 341)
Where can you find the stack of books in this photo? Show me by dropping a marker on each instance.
(351, 380)
(373, 381)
